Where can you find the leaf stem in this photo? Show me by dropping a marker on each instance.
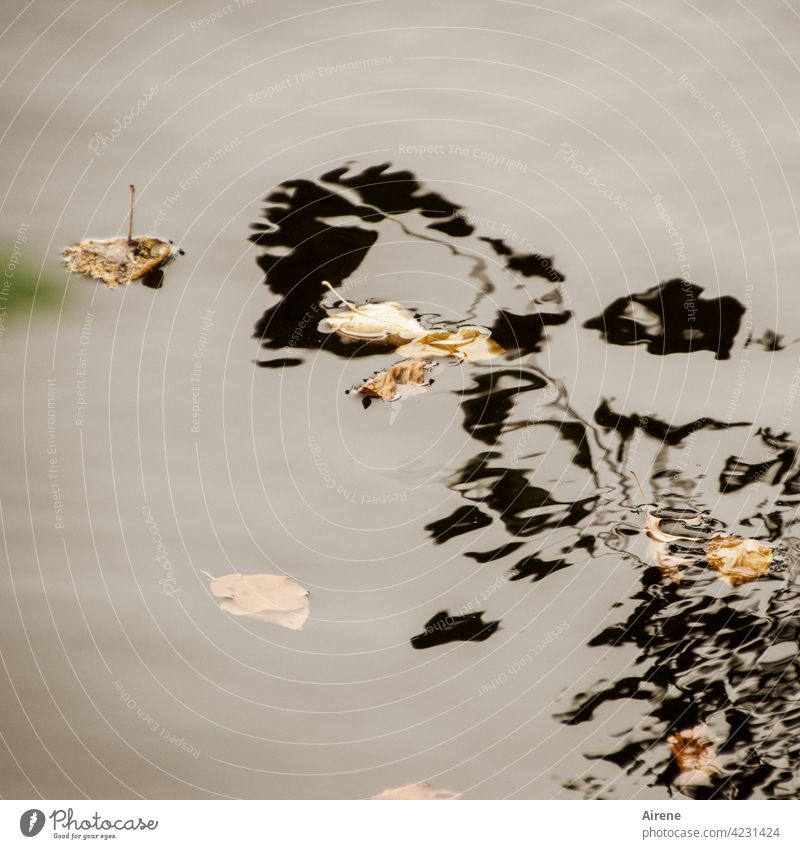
(130, 216)
(347, 303)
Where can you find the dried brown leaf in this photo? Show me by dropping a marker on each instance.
(117, 261)
(738, 560)
(408, 377)
(270, 598)
(694, 753)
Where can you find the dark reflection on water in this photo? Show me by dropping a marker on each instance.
(305, 242)
(699, 662)
(302, 250)
(523, 508)
(626, 426)
(672, 318)
(524, 334)
(573, 552)
(443, 628)
(279, 362)
(490, 401)
(738, 473)
(463, 520)
(555, 484)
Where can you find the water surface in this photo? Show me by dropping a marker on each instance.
(485, 614)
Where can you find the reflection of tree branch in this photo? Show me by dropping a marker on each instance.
(561, 403)
(479, 266)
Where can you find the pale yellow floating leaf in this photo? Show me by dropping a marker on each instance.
(738, 560)
(391, 322)
(418, 791)
(694, 753)
(658, 549)
(270, 598)
(408, 377)
(465, 343)
(652, 526)
(381, 322)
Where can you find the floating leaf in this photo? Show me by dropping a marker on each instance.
(408, 377)
(418, 791)
(465, 343)
(694, 753)
(738, 560)
(118, 261)
(271, 598)
(382, 322)
(393, 323)
(658, 549)
(652, 526)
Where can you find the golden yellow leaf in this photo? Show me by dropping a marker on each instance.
(418, 791)
(408, 377)
(270, 598)
(465, 343)
(694, 753)
(738, 560)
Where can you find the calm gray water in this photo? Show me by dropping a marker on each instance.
(143, 447)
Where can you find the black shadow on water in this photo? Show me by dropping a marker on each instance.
(554, 487)
(443, 628)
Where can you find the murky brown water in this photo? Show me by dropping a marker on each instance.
(613, 147)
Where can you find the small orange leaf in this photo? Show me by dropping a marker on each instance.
(408, 377)
(694, 753)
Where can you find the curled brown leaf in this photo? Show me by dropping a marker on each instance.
(408, 377)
